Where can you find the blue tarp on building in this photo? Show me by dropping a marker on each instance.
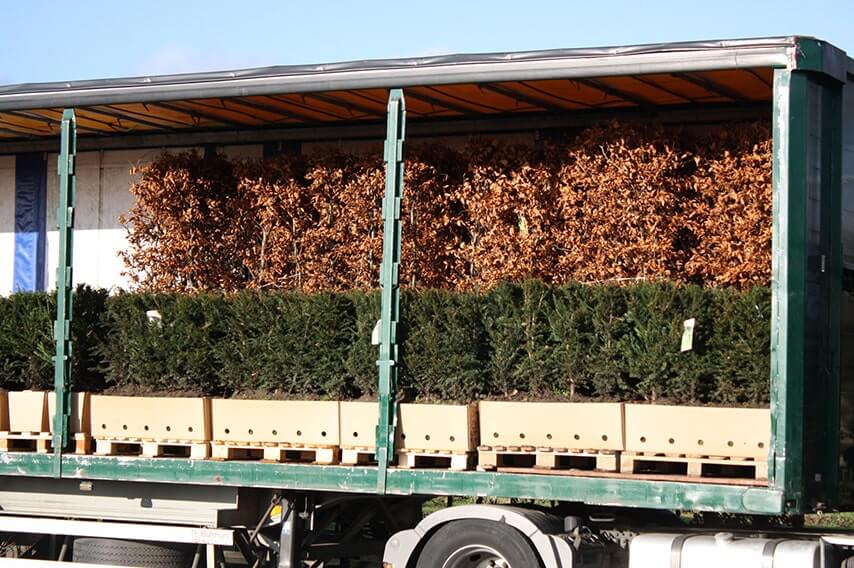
(30, 234)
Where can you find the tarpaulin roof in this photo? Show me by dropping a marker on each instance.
(444, 86)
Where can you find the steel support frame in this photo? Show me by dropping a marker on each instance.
(390, 287)
(64, 281)
(788, 266)
(832, 165)
(403, 482)
(804, 486)
(678, 114)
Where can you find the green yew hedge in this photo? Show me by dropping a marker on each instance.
(27, 345)
(518, 340)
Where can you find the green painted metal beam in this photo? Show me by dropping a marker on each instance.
(307, 477)
(788, 280)
(615, 492)
(62, 326)
(806, 284)
(591, 490)
(819, 56)
(832, 212)
(389, 283)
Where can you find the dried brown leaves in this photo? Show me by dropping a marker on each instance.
(619, 202)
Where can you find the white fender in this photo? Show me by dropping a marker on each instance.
(542, 529)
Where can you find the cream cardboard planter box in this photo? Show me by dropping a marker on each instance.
(294, 422)
(357, 432)
(150, 418)
(359, 424)
(421, 427)
(24, 422)
(556, 425)
(79, 421)
(698, 431)
(27, 411)
(437, 427)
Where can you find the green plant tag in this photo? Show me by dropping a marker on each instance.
(688, 334)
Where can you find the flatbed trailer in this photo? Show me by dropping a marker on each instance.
(803, 86)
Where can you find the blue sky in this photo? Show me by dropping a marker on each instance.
(87, 39)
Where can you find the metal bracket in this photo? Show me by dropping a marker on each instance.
(389, 285)
(64, 280)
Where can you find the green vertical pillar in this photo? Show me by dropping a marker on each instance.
(788, 268)
(389, 285)
(62, 326)
(806, 282)
(832, 213)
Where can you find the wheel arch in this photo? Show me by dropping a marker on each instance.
(541, 529)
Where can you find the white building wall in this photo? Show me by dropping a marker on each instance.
(103, 195)
(7, 223)
(85, 219)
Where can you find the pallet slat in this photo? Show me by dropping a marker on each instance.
(703, 467)
(358, 456)
(227, 451)
(493, 458)
(151, 448)
(414, 459)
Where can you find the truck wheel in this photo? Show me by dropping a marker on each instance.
(477, 544)
(133, 553)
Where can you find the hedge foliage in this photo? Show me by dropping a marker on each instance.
(528, 339)
(27, 346)
(616, 202)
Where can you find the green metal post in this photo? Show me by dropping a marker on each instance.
(389, 285)
(806, 280)
(788, 267)
(832, 210)
(62, 326)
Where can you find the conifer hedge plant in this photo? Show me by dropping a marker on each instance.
(527, 340)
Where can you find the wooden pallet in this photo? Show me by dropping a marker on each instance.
(39, 442)
(152, 448)
(490, 458)
(358, 456)
(707, 467)
(742, 482)
(326, 455)
(434, 459)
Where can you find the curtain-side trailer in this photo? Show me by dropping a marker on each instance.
(173, 511)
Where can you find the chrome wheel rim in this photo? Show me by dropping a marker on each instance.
(476, 556)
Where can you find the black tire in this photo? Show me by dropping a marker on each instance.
(133, 553)
(457, 536)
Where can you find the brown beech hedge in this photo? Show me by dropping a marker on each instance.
(618, 202)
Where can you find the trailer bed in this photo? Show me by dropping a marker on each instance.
(681, 495)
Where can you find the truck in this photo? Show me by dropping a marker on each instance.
(137, 511)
